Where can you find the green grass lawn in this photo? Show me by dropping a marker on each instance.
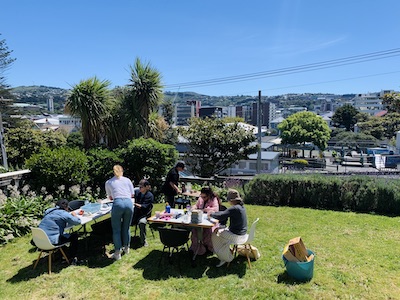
(357, 257)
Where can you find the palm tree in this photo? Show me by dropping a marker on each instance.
(88, 100)
(143, 98)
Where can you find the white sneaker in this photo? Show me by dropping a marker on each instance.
(221, 263)
(116, 255)
(126, 249)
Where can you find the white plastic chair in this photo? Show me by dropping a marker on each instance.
(42, 241)
(247, 243)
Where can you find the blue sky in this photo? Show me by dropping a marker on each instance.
(59, 43)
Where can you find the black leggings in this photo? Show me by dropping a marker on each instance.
(73, 240)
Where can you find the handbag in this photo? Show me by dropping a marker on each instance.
(249, 250)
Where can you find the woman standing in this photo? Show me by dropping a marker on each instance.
(207, 202)
(236, 233)
(120, 190)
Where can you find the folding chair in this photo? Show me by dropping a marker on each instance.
(42, 241)
(247, 243)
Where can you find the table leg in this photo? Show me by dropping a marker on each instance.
(199, 241)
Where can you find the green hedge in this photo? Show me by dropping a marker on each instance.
(351, 193)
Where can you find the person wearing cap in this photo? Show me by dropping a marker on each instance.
(170, 187)
(120, 190)
(54, 222)
(235, 233)
(143, 206)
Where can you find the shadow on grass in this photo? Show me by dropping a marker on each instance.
(286, 279)
(158, 266)
(42, 267)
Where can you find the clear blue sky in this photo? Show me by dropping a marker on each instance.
(59, 43)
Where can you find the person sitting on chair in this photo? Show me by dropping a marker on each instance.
(143, 207)
(207, 202)
(235, 233)
(54, 222)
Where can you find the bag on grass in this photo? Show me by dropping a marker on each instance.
(250, 250)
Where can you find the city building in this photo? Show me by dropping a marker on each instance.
(370, 103)
(184, 112)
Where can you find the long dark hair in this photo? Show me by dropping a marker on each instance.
(208, 191)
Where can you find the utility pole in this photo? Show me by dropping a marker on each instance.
(259, 133)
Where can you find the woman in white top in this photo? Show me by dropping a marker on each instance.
(120, 190)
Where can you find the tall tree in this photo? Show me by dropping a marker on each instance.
(305, 127)
(88, 100)
(214, 145)
(5, 63)
(143, 98)
(345, 116)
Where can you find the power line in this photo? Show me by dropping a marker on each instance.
(291, 70)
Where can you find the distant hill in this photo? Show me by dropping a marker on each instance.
(40, 94)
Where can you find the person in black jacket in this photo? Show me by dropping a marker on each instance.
(143, 207)
(170, 188)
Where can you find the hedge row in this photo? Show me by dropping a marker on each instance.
(354, 193)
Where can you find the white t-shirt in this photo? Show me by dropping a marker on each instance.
(121, 187)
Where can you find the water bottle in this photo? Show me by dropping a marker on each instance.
(86, 202)
(189, 209)
(167, 208)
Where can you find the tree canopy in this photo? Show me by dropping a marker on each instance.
(305, 127)
(392, 102)
(88, 100)
(5, 63)
(345, 116)
(215, 145)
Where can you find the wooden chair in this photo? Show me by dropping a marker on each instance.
(247, 243)
(42, 241)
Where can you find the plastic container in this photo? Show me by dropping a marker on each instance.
(168, 208)
(302, 271)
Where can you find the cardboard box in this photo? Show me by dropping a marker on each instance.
(298, 249)
(288, 255)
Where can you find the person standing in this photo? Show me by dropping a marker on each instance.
(236, 233)
(54, 222)
(170, 187)
(120, 190)
(208, 203)
(143, 206)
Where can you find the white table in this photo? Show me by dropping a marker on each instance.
(181, 221)
(87, 217)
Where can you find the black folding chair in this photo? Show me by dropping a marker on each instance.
(173, 239)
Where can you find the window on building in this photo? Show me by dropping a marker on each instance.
(242, 165)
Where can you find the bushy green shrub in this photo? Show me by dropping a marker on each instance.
(101, 162)
(300, 161)
(148, 158)
(19, 212)
(358, 193)
(58, 169)
(23, 142)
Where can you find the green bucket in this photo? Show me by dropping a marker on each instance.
(302, 271)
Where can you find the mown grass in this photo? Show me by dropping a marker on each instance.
(357, 257)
